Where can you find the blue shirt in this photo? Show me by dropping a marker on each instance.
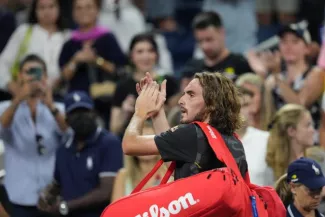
(293, 212)
(28, 172)
(78, 173)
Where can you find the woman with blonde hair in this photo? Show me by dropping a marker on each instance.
(301, 188)
(260, 118)
(135, 169)
(291, 132)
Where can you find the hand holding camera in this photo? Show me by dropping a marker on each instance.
(30, 84)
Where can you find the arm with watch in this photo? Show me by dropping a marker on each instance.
(98, 196)
(49, 200)
(86, 56)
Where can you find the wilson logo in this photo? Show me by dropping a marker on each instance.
(174, 207)
(211, 132)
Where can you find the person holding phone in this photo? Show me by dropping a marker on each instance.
(31, 127)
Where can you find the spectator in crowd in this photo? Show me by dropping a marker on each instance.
(210, 35)
(254, 141)
(23, 10)
(143, 57)
(299, 82)
(125, 20)
(89, 60)
(291, 132)
(44, 35)
(286, 12)
(301, 188)
(179, 37)
(7, 24)
(259, 118)
(135, 169)
(32, 127)
(85, 166)
(240, 29)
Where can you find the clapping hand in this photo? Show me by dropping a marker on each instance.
(264, 62)
(161, 95)
(148, 102)
(87, 54)
(146, 80)
(272, 61)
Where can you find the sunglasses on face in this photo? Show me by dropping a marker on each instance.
(314, 192)
(40, 145)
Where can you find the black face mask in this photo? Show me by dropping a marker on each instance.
(83, 124)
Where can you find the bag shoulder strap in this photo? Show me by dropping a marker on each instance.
(201, 140)
(165, 179)
(220, 148)
(21, 51)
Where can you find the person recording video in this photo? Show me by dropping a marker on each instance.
(31, 127)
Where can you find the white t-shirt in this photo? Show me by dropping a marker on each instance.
(255, 143)
(46, 46)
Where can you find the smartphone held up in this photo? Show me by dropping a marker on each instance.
(36, 73)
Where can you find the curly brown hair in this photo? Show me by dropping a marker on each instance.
(222, 101)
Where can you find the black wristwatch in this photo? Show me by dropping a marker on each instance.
(55, 112)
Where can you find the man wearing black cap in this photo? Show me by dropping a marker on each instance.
(85, 166)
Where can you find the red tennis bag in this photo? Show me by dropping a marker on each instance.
(219, 192)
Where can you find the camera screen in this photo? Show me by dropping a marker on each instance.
(36, 72)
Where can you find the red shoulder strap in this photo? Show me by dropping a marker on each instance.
(217, 144)
(219, 147)
(165, 179)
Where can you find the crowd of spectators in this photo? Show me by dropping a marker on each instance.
(68, 74)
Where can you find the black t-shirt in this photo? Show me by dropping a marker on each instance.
(180, 144)
(106, 47)
(232, 66)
